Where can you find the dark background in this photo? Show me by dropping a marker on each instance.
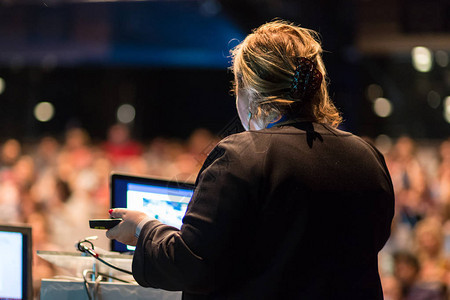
(169, 59)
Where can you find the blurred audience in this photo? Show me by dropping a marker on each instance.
(416, 257)
(42, 184)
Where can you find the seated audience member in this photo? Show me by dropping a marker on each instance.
(429, 242)
(119, 147)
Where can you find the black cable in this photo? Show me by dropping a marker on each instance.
(113, 266)
(85, 249)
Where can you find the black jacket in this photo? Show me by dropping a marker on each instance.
(291, 212)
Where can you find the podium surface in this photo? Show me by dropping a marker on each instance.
(58, 289)
(74, 288)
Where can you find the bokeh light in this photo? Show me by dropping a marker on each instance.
(374, 91)
(44, 111)
(382, 107)
(447, 109)
(2, 85)
(126, 113)
(441, 58)
(433, 99)
(422, 59)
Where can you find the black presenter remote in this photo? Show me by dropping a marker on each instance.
(103, 223)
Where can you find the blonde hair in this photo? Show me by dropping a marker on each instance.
(264, 65)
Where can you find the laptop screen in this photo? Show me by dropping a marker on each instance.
(163, 200)
(15, 262)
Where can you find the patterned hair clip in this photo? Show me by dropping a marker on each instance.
(306, 81)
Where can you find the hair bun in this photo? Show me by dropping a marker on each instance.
(306, 80)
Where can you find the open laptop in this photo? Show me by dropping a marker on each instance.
(163, 200)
